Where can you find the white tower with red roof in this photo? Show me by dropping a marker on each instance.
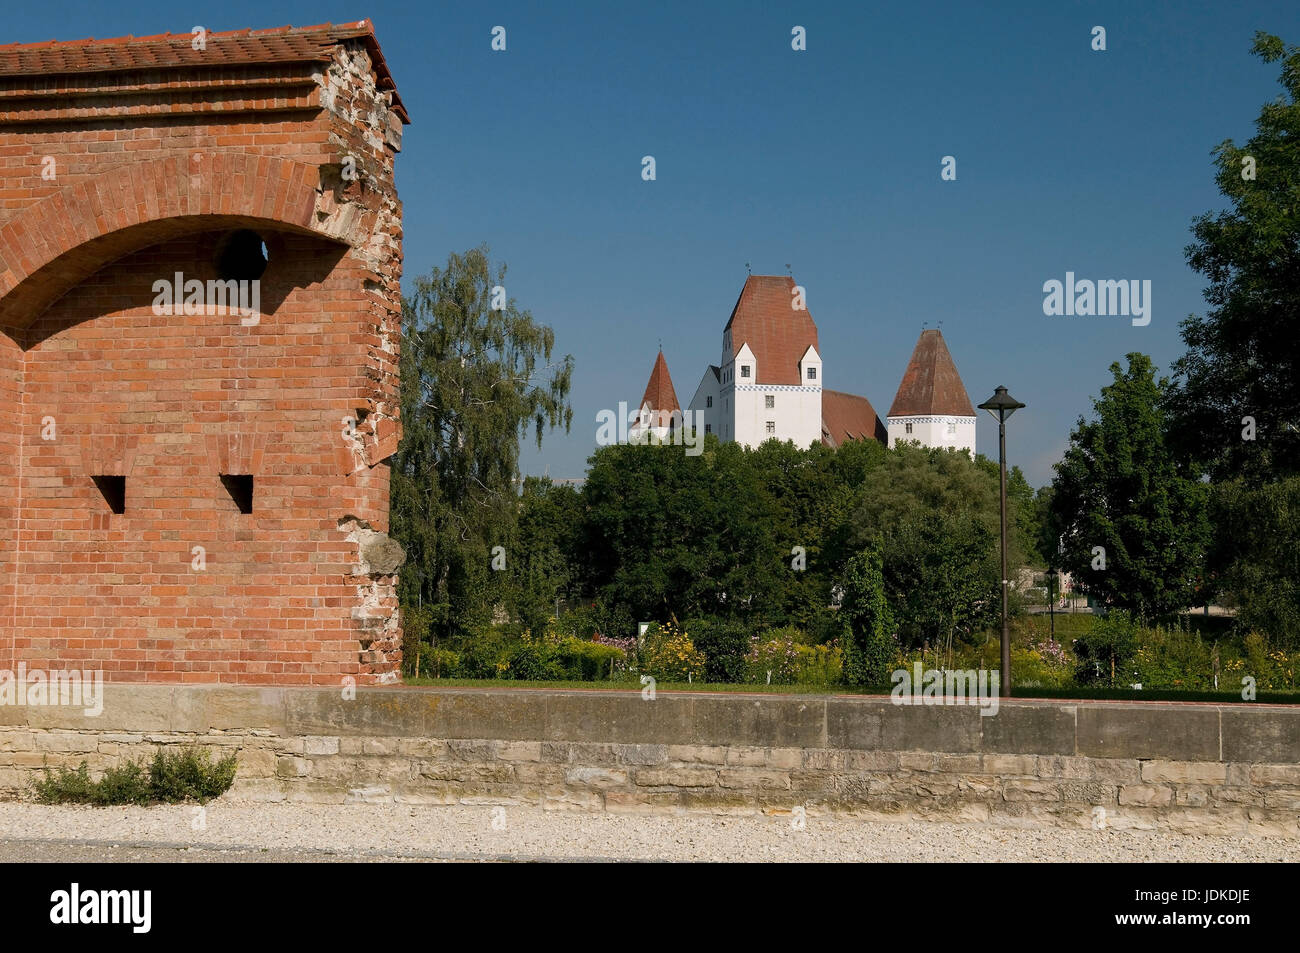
(932, 406)
(659, 413)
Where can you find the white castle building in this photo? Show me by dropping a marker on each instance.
(768, 384)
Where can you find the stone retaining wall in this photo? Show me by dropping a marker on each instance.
(1191, 767)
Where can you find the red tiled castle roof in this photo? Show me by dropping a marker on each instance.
(931, 385)
(659, 392)
(779, 336)
(849, 417)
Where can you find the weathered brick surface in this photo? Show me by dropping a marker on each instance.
(109, 181)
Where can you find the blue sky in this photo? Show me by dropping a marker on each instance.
(827, 160)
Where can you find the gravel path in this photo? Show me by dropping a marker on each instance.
(236, 831)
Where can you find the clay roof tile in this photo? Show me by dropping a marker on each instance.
(849, 417)
(659, 392)
(777, 333)
(931, 385)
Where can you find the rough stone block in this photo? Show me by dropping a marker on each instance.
(1089, 792)
(675, 777)
(1183, 772)
(1031, 791)
(1145, 795)
(1010, 765)
(518, 750)
(754, 779)
(59, 741)
(320, 745)
(1285, 775)
(593, 777)
(958, 763)
(702, 754)
(290, 767)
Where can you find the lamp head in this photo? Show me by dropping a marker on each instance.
(1001, 405)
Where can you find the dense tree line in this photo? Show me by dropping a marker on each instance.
(759, 537)
(1188, 488)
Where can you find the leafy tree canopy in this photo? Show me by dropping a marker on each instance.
(1243, 354)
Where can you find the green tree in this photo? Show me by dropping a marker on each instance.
(542, 567)
(474, 380)
(1045, 542)
(667, 534)
(1236, 410)
(815, 492)
(869, 646)
(1257, 554)
(1119, 488)
(1243, 355)
(1105, 651)
(934, 514)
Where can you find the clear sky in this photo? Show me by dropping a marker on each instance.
(827, 160)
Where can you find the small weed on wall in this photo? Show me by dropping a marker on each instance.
(171, 778)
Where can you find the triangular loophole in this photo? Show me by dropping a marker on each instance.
(113, 489)
(240, 488)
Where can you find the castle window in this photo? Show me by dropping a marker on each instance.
(952, 430)
(708, 402)
(708, 428)
(812, 373)
(744, 370)
(771, 427)
(909, 427)
(769, 401)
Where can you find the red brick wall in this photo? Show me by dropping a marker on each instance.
(173, 401)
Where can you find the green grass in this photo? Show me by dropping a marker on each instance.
(632, 686)
(1112, 694)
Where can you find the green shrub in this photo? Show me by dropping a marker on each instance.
(1172, 658)
(585, 621)
(439, 663)
(588, 661)
(171, 778)
(416, 622)
(819, 665)
(725, 645)
(826, 627)
(125, 783)
(531, 661)
(1034, 668)
(189, 775)
(68, 786)
(1272, 668)
(486, 654)
(1105, 653)
(871, 645)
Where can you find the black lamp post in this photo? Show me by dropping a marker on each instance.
(1002, 405)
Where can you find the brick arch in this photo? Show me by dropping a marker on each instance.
(52, 245)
